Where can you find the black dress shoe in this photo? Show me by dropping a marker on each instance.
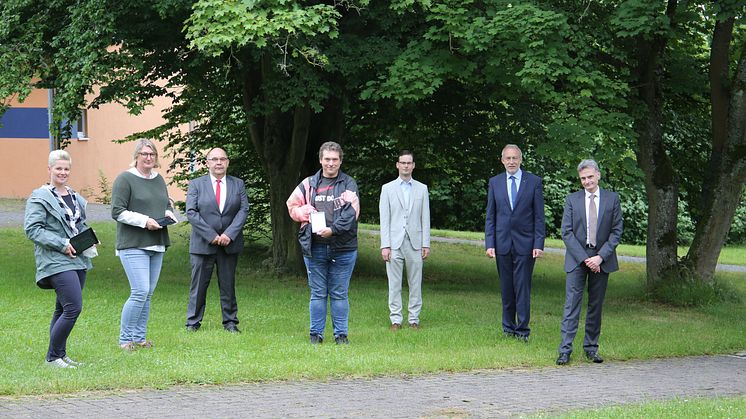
(593, 356)
(232, 328)
(193, 328)
(563, 358)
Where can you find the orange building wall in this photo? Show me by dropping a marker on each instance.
(92, 157)
(36, 99)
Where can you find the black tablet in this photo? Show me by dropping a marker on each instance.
(83, 240)
(165, 221)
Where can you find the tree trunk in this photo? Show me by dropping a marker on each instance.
(284, 174)
(280, 140)
(288, 144)
(723, 189)
(661, 185)
(663, 196)
(712, 228)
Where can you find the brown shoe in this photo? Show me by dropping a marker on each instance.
(394, 327)
(144, 344)
(129, 346)
(415, 326)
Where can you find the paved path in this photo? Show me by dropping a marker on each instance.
(11, 214)
(479, 394)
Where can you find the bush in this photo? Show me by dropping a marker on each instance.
(686, 291)
(104, 196)
(737, 234)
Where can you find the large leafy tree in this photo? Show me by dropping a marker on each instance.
(708, 37)
(278, 76)
(563, 79)
(251, 74)
(604, 73)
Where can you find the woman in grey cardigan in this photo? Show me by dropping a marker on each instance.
(54, 214)
(139, 198)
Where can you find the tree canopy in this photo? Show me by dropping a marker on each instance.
(653, 90)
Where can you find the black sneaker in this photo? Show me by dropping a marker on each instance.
(342, 340)
(316, 339)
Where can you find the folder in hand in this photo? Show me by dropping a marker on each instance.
(84, 240)
(165, 221)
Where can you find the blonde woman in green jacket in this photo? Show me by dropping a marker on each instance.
(54, 214)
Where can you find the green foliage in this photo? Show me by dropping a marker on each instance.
(104, 195)
(737, 232)
(640, 18)
(687, 291)
(452, 80)
(216, 25)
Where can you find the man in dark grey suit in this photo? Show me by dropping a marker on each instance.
(591, 229)
(216, 208)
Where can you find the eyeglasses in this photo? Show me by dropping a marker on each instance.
(218, 159)
(146, 155)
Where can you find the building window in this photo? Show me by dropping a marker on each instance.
(79, 127)
(24, 123)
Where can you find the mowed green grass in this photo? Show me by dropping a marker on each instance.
(460, 323)
(720, 407)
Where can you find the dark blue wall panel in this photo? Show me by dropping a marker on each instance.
(24, 123)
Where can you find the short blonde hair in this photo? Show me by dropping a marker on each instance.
(58, 155)
(139, 145)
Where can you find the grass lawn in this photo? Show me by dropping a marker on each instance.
(730, 255)
(460, 320)
(721, 407)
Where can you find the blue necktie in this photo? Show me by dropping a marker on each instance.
(513, 192)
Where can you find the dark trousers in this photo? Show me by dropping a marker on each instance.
(574, 286)
(69, 289)
(202, 266)
(515, 286)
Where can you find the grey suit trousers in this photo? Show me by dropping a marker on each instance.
(574, 286)
(202, 267)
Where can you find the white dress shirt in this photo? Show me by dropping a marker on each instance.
(223, 190)
(406, 190)
(518, 175)
(587, 206)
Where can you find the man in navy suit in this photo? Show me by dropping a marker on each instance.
(514, 234)
(592, 227)
(216, 208)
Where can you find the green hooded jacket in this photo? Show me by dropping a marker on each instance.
(44, 223)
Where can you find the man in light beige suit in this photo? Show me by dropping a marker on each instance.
(404, 208)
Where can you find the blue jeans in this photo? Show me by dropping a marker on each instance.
(142, 268)
(329, 275)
